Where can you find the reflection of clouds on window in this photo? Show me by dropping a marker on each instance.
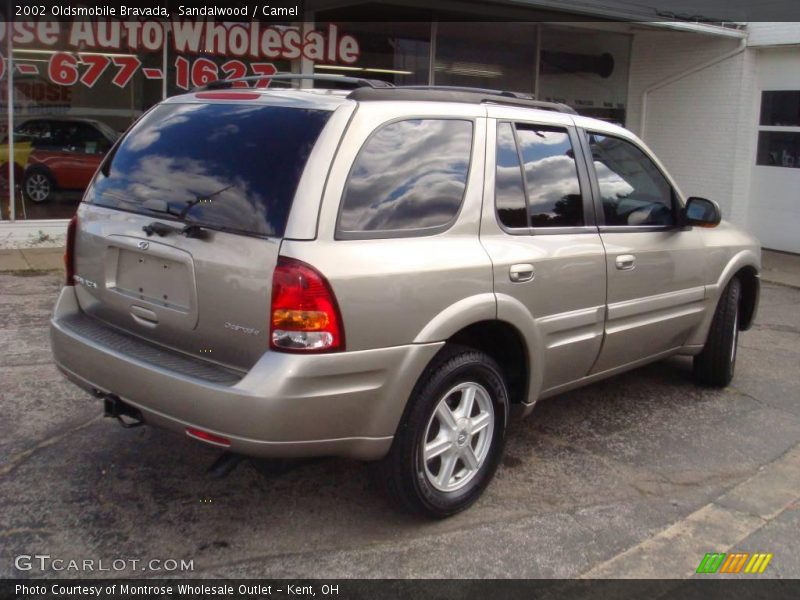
(509, 193)
(409, 175)
(167, 179)
(146, 135)
(633, 190)
(551, 175)
(222, 165)
(220, 132)
(611, 184)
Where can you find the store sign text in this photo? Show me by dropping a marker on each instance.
(97, 46)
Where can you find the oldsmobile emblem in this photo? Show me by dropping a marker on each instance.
(143, 245)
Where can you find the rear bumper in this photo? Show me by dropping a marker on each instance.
(288, 405)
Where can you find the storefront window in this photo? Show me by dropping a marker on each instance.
(499, 56)
(395, 52)
(76, 87)
(585, 69)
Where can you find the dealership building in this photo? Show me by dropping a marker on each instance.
(717, 99)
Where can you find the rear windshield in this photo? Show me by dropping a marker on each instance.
(233, 167)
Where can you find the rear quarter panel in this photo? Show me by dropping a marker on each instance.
(391, 290)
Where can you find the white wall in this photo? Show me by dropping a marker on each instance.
(773, 34)
(703, 126)
(774, 212)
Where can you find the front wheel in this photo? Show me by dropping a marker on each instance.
(715, 365)
(449, 444)
(38, 186)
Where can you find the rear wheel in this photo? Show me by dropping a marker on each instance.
(715, 365)
(38, 186)
(449, 444)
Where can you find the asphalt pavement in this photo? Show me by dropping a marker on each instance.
(636, 476)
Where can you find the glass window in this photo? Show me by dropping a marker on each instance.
(409, 175)
(633, 190)
(778, 149)
(397, 52)
(89, 140)
(225, 166)
(509, 193)
(780, 109)
(551, 176)
(499, 56)
(587, 70)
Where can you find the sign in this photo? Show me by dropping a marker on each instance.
(82, 51)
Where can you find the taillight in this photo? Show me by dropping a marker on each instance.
(305, 316)
(69, 251)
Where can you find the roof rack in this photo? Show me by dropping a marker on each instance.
(432, 93)
(357, 82)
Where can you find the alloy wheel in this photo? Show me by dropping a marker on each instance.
(458, 437)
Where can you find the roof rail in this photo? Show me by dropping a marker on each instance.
(466, 95)
(357, 82)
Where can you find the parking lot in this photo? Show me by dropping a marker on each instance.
(636, 476)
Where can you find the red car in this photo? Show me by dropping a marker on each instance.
(66, 151)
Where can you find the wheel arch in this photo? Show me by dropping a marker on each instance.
(41, 168)
(506, 345)
(751, 292)
(745, 265)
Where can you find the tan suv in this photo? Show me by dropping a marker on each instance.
(386, 274)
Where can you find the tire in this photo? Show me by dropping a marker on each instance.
(38, 186)
(471, 442)
(715, 365)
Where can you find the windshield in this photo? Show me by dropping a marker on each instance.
(227, 166)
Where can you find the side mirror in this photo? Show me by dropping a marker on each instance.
(701, 212)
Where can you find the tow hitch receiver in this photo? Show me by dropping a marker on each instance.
(128, 416)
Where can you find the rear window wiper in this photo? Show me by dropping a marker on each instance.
(191, 230)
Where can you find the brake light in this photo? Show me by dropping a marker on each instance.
(228, 95)
(305, 316)
(69, 251)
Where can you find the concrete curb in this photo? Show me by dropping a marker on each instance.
(719, 526)
(32, 259)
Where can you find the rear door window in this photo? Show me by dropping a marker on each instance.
(409, 179)
(551, 176)
(233, 167)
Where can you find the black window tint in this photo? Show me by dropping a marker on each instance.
(89, 140)
(232, 166)
(780, 108)
(509, 194)
(778, 149)
(408, 175)
(633, 190)
(551, 176)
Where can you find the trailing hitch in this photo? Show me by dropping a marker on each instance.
(128, 416)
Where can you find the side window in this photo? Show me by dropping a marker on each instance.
(551, 176)
(509, 191)
(89, 140)
(410, 175)
(633, 190)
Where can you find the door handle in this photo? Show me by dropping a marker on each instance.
(520, 273)
(625, 262)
